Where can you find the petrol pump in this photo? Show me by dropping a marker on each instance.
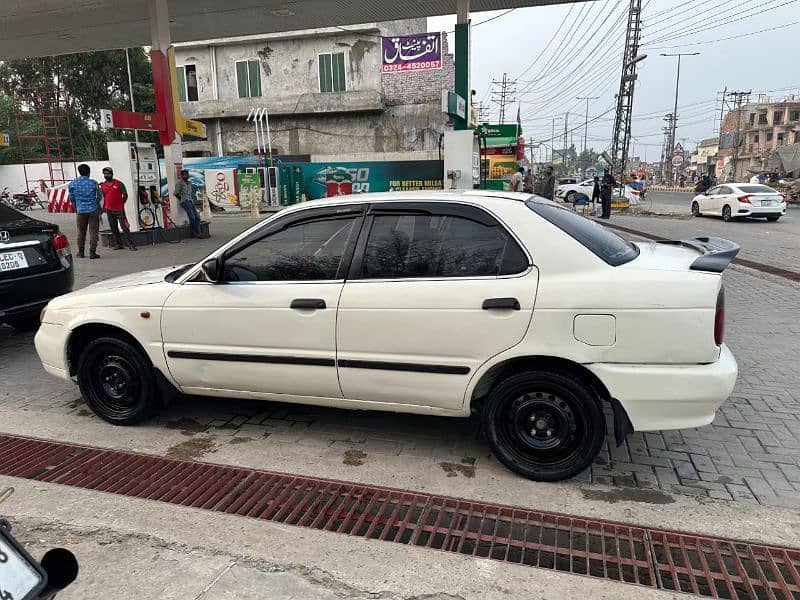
(136, 165)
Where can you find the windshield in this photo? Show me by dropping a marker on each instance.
(607, 245)
(757, 189)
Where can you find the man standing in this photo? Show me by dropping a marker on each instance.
(183, 192)
(595, 193)
(605, 193)
(516, 180)
(84, 193)
(549, 183)
(114, 198)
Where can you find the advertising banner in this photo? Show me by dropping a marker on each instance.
(417, 52)
(249, 187)
(221, 188)
(309, 181)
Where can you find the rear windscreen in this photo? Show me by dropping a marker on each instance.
(607, 245)
(757, 189)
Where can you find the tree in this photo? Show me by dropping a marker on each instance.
(92, 81)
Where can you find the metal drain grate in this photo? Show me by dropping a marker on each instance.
(603, 549)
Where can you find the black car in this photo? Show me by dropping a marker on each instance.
(35, 266)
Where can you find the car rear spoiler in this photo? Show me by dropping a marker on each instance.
(717, 253)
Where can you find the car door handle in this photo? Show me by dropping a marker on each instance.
(491, 303)
(312, 303)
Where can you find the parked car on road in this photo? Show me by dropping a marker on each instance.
(35, 266)
(569, 191)
(503, 305)
(740, 200)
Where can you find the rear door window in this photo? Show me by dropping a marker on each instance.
(607, 245)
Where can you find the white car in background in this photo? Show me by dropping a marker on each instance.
(568, 191)
(740, 200)
(503, 305)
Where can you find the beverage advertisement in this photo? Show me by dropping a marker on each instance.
(249, 187)
(220, 187)
(310, 181)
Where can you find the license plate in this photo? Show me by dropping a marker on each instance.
(766, 202)
(10, 261)
(18, 577)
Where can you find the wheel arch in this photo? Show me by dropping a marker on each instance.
(497, 372)
(80, 337)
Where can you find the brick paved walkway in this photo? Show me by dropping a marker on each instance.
(751, 453)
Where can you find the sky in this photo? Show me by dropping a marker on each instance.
(561, 52)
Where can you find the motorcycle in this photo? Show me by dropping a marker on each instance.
(27, 200)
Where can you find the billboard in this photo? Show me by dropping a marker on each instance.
(310, 181)
(417, 52)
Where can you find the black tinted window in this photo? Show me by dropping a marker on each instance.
(439, 246)
(607, 245)
(310, 250)
(757, 189)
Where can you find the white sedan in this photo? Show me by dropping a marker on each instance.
(570, 190)
(739, 200)
(498, 304)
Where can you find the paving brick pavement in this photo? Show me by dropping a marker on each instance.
(750, 453)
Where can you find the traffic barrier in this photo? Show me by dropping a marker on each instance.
(58, 200)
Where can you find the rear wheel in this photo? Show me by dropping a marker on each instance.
(544, 426)
(695, 209)
(773, 218)
(116, 381)
(726, 213)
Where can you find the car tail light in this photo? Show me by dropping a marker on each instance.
(719, 317)
(745, 198)
(61, 245)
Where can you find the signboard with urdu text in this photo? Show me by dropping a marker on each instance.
(417, 52)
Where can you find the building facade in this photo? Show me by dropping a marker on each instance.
(324, 91)
(703, 160)
(763, 128)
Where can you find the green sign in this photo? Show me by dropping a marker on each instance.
(498, 130)
(249, 189)
(454, 105)
(310, 181)
(248, 180)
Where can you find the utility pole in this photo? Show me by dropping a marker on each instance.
(505, 95)
(627, 82)
(483, 113)
(666, 149)
(739, 98)
(723, 102)
(675, 110)
(586, 119)
(553, 141)
(564, 161)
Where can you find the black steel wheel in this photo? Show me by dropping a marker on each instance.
(726, 213)
(116, 381)
(544, 426)
(695, 209)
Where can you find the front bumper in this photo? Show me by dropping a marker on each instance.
(50, 342)
(658, 397)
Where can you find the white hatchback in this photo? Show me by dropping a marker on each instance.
(739, 200)
(502, 305)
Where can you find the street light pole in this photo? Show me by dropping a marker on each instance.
(675, 110)
(586, 120)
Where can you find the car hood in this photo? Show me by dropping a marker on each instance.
(134, 279)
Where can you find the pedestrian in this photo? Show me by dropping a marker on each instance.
(183, 192)
(595, 193)
(527, 182)
(549, 183)
(605, 193)
(114, 198)
(516, 180)
(84, 193)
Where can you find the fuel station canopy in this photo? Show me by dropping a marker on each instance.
(49, 27)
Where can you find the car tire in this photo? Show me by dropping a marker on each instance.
(116, 380)
(25, 323)
(570, 197)
(726, 213)
(773, 219)
(544, 426)
(695, 209)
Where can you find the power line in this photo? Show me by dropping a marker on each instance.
(550, 41)
(725, 39)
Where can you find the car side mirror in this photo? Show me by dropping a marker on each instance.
(212, 269)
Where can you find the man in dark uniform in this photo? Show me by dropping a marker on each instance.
(605, 193)
(595, 193)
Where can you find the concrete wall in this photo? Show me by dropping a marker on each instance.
(13, 176)
(393, 112)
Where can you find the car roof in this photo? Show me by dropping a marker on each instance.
(488, 198)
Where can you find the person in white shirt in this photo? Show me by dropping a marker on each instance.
(516, 180)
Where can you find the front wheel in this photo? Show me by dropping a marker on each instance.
(695, 209)
(545, 426)
(726, 213)
(570, 197)
(773, 218)
(116, 381)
